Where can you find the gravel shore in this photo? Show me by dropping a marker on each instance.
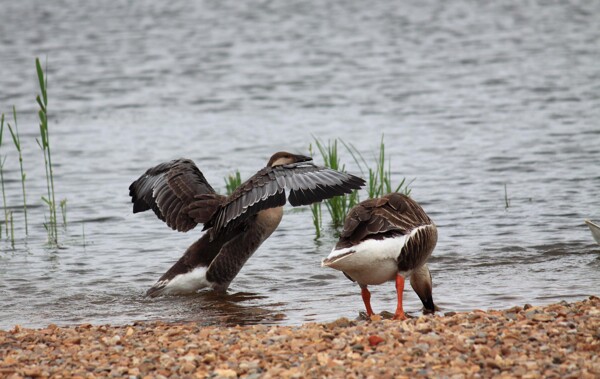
(556, 341)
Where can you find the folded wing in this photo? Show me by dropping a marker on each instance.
(392, 214)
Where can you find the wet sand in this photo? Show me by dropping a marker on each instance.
(556, 341)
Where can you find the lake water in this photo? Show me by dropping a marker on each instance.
(471, 98)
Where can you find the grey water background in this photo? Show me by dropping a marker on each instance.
(469, 96)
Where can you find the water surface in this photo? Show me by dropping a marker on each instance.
(471, 98)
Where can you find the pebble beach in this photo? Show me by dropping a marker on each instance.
(555, 341)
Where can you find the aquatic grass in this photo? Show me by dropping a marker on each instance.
(4, 204)
(12, 230)
(83, 233)
(315, 209)
(506, 200)
(51, 222)
(232, 182)
(2, 161)
(337, 206)
(63, 211)
(51, 226)
(379, 181)
(17, 141)
(317, 217)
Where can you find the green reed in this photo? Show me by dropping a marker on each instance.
(12, 230)
(315, 208)
(44, 144)
(232, 182)
(337, 206)
(506, 199)
(83, 233)
(2, 161)
(379, 181)
(17, 141)
(317, 216)
(63, 212)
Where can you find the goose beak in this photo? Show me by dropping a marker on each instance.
(302, 158)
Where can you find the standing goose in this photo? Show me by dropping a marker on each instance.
(385, 239)
(235, 225)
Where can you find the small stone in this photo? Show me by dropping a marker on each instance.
(492, 364)
(339, 343)
(323, 358)
(558, 340)
(188, 367)
(542, 317)
(209, 358)
(33, 372)
(375, 340)
(358, 347)
(133, 371)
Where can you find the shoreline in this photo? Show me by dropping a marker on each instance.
(557, 340)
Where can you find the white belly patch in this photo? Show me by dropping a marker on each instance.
(370, 262)
(189, 282)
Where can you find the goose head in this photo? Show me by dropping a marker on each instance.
(282, 158)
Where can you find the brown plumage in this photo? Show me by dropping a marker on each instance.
(236, 225)
(383, 239)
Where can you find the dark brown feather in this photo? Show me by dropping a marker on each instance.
(170, 190)
(392, 214)
(306, 182)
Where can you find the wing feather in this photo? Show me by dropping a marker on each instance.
(170, 189)
(306, 182)
(393, 213)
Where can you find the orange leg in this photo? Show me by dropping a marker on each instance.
(399, 315)
(366, 296)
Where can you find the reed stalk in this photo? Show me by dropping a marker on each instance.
(337, 206)
(315, 208)
(63, 212)
(83, 232)
(2, 161)
(17, 141)
(44, 145)
(506, 200)
(379, 181)
(232, 182)
(12, 230)
(317, 217)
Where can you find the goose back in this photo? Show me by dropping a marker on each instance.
(392, 215)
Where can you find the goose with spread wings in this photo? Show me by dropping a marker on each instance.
(235, 225)
(387, 239)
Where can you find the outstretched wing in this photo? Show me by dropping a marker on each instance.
(178, 194)
(306, 182)
(393, 213)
